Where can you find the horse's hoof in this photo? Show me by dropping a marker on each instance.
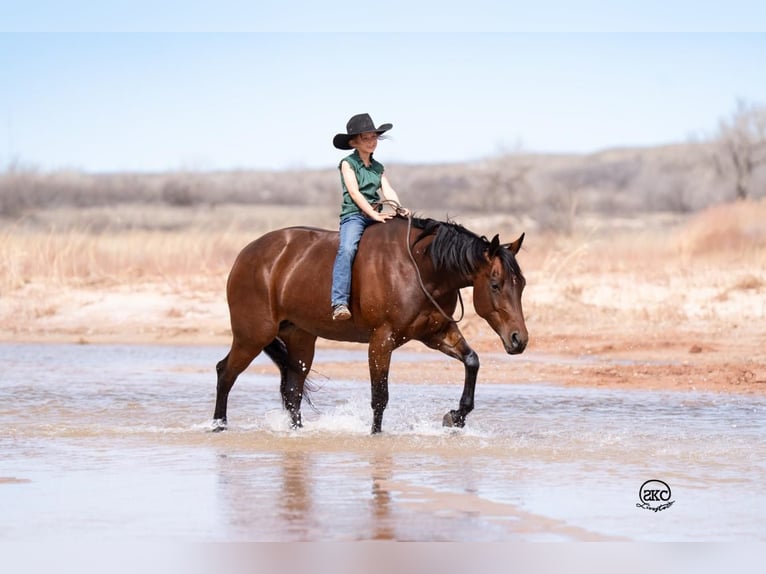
(453, 419)
(296, 421)
(219, 425)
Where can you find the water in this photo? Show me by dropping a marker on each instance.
(111, 442)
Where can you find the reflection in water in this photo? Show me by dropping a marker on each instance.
(251, 491)
(381, 466)
(296, 494)
(288, 496)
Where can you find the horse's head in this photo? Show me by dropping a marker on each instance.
(497, 288)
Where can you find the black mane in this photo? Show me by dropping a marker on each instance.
(459, 250)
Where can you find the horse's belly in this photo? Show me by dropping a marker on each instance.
(335, 331)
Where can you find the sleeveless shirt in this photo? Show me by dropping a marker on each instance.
(368, 179)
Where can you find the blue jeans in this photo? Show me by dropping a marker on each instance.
(351, 229)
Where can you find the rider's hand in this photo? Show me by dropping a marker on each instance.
(382, 217)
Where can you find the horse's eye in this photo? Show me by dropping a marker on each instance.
(495, 286)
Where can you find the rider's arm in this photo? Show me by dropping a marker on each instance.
(390, 194)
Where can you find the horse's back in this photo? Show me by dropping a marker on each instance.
(301, 244)
(286, 276)
(281, 245)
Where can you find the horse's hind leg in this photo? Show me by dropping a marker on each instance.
(228, 369)
(294, 358)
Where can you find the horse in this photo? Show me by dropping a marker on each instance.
(406, 281)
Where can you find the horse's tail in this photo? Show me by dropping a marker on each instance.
(277, 352)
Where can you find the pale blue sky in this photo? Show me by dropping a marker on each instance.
(163, 101)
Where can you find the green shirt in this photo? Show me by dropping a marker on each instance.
(368, 179)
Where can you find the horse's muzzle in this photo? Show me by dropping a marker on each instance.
(517, 343)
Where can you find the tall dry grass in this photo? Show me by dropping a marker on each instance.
(101, 247)
(77, 258)
(201, 246)
(732, 227)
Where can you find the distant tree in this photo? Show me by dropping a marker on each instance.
(742, 145)
(506, 183)
(565, 204)
(178, 192)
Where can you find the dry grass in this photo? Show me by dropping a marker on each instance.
(117, 245)
(726, 228)
(108, 247)
(77, 258)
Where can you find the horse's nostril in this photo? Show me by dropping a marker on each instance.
(515, 340)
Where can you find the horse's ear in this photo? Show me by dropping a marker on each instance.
(516, 245)
(494, 246)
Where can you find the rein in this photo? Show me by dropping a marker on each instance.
(400, 211)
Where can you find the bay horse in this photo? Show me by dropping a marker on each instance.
(405, 286)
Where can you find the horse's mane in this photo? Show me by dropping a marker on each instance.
(457, 249)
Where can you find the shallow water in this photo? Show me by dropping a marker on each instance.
(109, 442)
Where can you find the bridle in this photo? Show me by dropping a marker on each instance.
(402, 212)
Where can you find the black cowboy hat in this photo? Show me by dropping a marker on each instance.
(358, 124)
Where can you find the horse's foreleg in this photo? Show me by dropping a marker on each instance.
(456, 418)
(454, 345)
(379, 356)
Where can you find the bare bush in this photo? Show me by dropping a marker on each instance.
(742, 146)
(178, 193)
(13, 200)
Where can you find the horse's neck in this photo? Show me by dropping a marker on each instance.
(456, 281)
(441, 281)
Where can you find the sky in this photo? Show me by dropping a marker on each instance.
(267, 86)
